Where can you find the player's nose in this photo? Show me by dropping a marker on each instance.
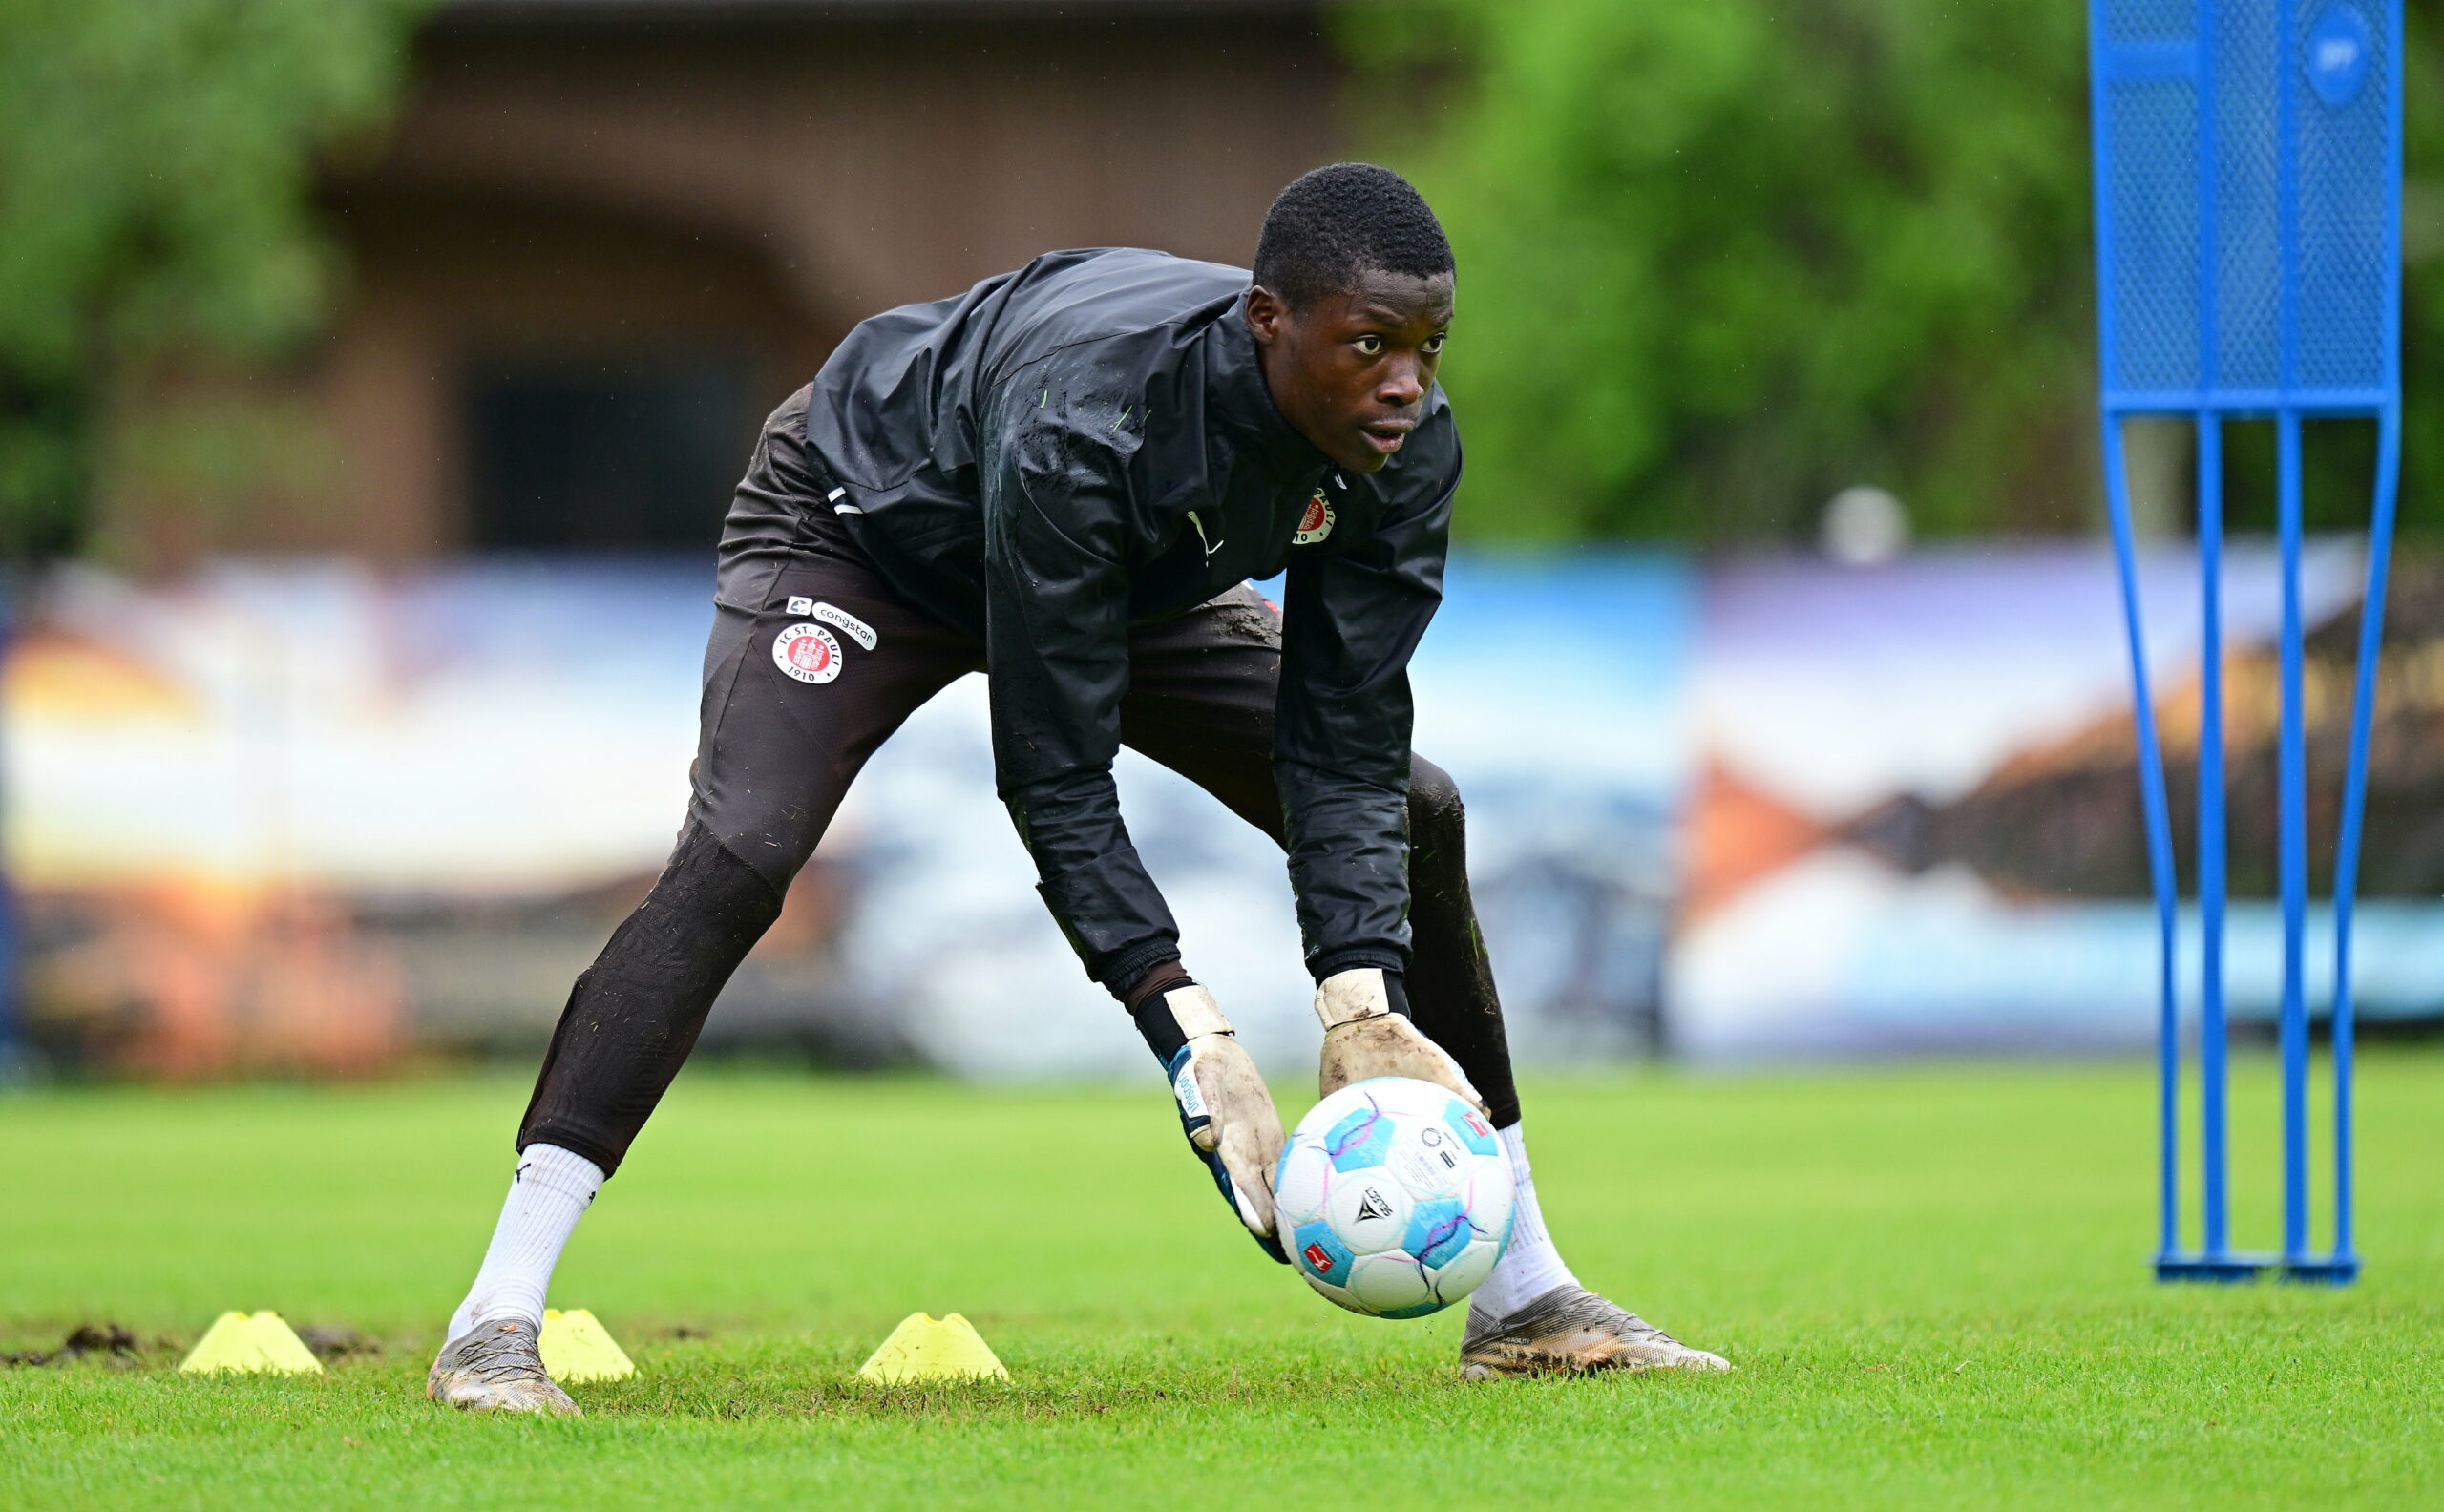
(1403, 386)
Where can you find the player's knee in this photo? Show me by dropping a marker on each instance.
(1435, 813)
(707, 878)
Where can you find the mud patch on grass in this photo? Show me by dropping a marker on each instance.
(113, 1340)
(333, 1341)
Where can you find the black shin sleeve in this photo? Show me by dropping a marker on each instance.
(1449, 982)
(635, 1013)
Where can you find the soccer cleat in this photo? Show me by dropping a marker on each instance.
(496, 1366)
(1571, 1331)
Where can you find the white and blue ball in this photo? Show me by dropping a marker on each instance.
(1393, 1198)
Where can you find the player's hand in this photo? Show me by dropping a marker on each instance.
(1364, 1036)
(1227, 1112)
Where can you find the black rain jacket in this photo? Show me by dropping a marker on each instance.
(1085, 445)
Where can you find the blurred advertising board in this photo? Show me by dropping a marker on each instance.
(307, 815)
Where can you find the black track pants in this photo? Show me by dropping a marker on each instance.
(779, 745)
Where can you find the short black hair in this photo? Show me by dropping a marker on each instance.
(1340, 221)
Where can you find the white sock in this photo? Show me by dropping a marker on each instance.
(1531, 1265)
(549, 1192)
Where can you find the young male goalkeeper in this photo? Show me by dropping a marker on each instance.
(1064, 478)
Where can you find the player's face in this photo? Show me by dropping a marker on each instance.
(1350, 371)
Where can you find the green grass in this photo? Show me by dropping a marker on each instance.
(1932, 1282)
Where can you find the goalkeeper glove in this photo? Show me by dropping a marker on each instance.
(1367, 1033)
(1225, 1110)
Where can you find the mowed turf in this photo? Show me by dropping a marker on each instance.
(1933, 1282)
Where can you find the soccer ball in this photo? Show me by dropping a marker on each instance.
(1393, 1198)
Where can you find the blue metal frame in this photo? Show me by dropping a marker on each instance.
(2178, 67)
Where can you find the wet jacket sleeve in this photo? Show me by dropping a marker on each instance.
(1341, 736)
(1057, 649)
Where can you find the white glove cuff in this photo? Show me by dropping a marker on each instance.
(1197, 1013)
(1350, 996)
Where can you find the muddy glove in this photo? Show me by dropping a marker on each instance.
(1367, 1033)
(1225, 1110)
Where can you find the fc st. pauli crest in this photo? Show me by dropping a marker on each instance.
(1317, 523)
(807, 652)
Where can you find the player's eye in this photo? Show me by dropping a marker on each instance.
(1369, 346)
(1433, 346)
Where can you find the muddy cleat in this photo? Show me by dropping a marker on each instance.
(496, 1366)
(1571, 1331)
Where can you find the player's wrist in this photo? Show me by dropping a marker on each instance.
(1324, 965)
(1170, 1009)
(1119, 972)
(1360, 993)
(1154, 982)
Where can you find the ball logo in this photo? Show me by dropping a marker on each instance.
(807, 652)
(1317, 523)
(1372, 1205)
(2337, 54)
(1316, 1255)
(1428, 1167)
(1483, 1130)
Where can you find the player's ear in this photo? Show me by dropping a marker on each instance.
(1267, 313)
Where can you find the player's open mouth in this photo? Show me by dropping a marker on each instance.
(1386, 435)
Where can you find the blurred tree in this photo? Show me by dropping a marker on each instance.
(155, 158)
(1721, 261)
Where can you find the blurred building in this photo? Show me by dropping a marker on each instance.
(606, 236)
(393, 785)
(406, 733)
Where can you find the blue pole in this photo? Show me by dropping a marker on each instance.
(2371, 630)
(2291, 846)
(2218, 1237)
(2152, 802)
(2160, 854)
(2354, 796)
(2292, 852)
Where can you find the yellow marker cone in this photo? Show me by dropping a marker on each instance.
(261, 1343)
(576, 1347)
(922, 1349)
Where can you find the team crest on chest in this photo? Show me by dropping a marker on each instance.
(1317, 523)
(807, 652)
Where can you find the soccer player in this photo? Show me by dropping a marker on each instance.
(1064, 478)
